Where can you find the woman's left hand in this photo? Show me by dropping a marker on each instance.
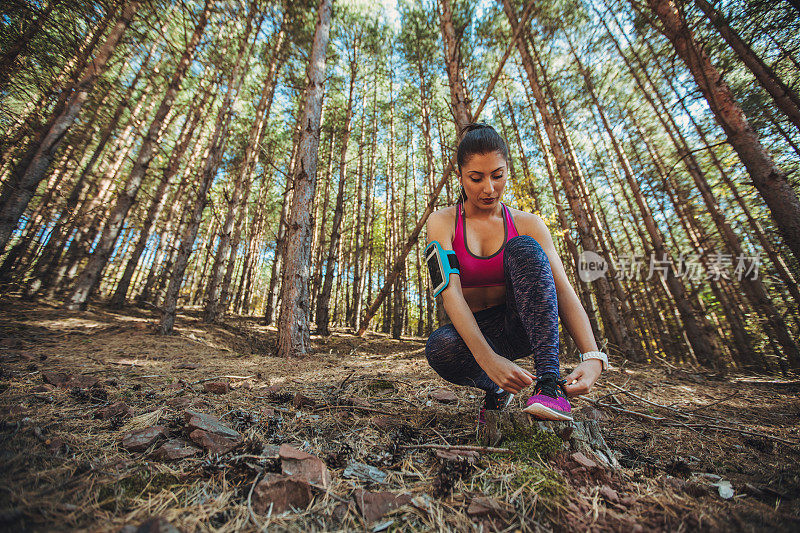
(584, 376)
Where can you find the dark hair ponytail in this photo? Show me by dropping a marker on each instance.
(478, 138)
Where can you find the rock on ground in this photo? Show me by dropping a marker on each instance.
(139, 441)
(283, 492)
(296, 462)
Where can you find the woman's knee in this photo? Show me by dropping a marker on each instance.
(524, 248)
(441, 346)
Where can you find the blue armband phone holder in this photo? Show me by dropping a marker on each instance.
(441, 263)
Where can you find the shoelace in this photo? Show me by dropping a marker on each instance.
(550, 387)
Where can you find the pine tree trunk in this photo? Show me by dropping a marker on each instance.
(399, 261)
(215, 304)
(770, 181)
(358, 231)
(458, 96)
(323, 301)
(320, 222)
(280, 242)
(9, 57)
(565, 226)
(42, 276)
(29, 171)
(782, 269)
(159, 197)
(784, 97)
(753, 288)
(364, 257)
(704, 343)
(527, 183)
(64, 82)
(615, 328)
(293, 330)
(613, 307)
(90, 277)
(90, 217)
(400, 307)
(217, 148)
(272, 300)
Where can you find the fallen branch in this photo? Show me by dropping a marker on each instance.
(621, 410)
(735, 430)
(479, 449)
(688, 413)
(654, 404)
(368, 409)
(714, 403)
(219, 377)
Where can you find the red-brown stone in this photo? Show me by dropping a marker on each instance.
(209, 423)
(139, 441)
(374, 505)
(214, 442)
(117, 409)
(216, 387)
(444, 396)
(296, 462)
(283, 492)
(174, 449)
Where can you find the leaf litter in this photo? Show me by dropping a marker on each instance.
(359, 435)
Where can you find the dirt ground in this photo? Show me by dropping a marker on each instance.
(688, 438)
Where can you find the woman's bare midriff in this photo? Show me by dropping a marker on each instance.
(479, 298)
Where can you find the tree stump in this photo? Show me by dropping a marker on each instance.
(577, 436)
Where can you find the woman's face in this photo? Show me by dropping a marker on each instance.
(483, 178)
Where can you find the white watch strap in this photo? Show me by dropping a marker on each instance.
(596, 355)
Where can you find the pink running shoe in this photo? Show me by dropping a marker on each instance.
(549, 400)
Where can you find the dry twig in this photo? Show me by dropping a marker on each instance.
(480, 449)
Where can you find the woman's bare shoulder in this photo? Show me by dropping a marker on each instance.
(441, 223)
(529, 223)
(443, 216)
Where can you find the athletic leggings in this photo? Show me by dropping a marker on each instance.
(526, 324)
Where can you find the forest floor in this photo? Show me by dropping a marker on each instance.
(88, 399)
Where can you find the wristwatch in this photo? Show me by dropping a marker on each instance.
(595, 355)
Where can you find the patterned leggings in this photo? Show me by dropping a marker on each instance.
(527, 323)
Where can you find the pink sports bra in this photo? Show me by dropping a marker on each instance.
(476, 270)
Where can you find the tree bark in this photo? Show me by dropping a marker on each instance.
(90, 277)
(29, 171)
(614, 328)
(458, 96)
(159, 197)
(280, 241)
(358, 230)
(20, 46)
(399, 260)
(320, 221)
(293, 330)
(323, 301)
(784, 97)
(215, 304)
(217, 147)
(770, 181)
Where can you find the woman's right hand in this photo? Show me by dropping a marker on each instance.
(507, 374)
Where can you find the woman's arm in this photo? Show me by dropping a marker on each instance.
(570, 309)
(507, 374)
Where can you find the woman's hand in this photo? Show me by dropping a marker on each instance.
(508, 375)
(584, 376)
